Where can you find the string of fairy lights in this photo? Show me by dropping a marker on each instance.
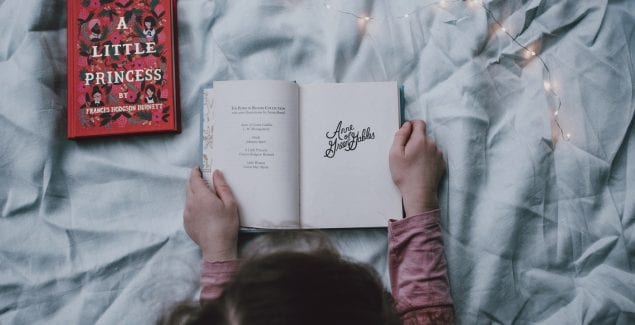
(527, 50)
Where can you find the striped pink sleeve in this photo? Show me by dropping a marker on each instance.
(214, 275)
(418, 270)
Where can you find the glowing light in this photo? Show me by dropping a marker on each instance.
(527, 51)
(362, 23)
(547, 85)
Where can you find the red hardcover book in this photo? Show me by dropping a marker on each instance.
(122, 76)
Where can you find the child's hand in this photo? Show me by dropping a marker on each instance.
(416, 166)
(211, 217)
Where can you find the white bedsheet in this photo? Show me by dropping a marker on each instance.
(537, 229)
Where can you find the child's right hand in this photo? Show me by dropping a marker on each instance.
(211, 217)
(416, 166)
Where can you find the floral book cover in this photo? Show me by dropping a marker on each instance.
(122, 76)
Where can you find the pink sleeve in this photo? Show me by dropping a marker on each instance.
(214, 275)
(418, 270)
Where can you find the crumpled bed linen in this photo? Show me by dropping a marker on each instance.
(538, 228)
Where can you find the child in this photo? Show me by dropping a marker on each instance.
(321, 287)
(150, 97)
(95, 30)
(97, 97)
(149, 23)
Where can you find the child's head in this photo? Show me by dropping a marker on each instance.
(94, 26)
(297, 288)
(96, 94)
(149, 22)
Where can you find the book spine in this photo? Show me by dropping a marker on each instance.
(70, 73)
(175, 65)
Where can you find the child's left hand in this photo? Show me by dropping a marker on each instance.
(211, 217)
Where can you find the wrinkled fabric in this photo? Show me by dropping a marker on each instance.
(536, 229)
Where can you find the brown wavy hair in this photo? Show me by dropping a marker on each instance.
(319, 287)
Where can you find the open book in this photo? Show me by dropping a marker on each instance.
(304, 156)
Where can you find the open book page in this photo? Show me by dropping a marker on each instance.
(253, 140)
(346, 131)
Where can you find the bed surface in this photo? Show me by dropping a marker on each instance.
(538, 228)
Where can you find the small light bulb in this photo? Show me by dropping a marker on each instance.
(504, 29)
(568, 136)
(328, 6)
(555, 113)
(367, 18)
(547, 85)
(406, 16)
(532, 53)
